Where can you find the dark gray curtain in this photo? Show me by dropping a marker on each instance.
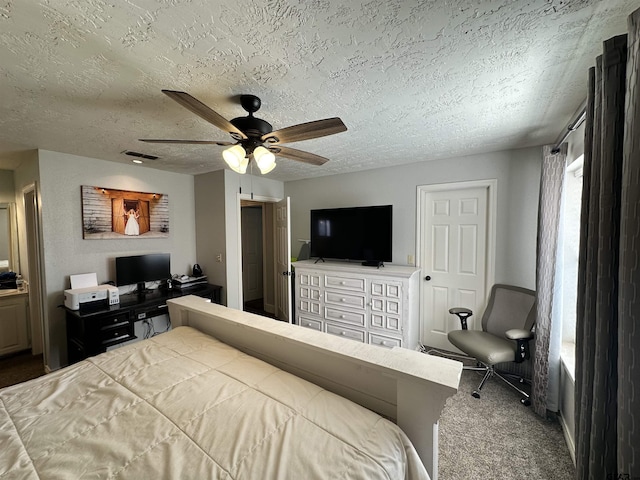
(608, 309)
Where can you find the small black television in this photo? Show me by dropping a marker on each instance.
(354, 233)
(138, 269)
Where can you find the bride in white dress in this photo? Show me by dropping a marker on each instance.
(132, 227)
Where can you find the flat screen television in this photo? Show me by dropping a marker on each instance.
(356, 233)
(138, 269)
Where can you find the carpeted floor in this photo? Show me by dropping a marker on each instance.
(495, 437)
(20, 368)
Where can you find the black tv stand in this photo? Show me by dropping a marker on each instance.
(92, 330)
(372, 263)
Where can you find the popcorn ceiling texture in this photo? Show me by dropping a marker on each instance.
(412, 80)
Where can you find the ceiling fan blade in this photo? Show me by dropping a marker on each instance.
(305, 131)
(203, 142)
(298, 155)
(199, 108)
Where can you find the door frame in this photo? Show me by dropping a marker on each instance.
(38, 320)
(491, 184)
(239, 198)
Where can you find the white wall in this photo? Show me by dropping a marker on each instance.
(67, 253)
(518, 175)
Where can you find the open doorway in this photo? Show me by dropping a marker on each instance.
(258, 293)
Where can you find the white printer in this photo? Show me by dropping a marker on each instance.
(76, 297)
(85, 290)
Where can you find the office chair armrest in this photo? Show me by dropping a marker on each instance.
(522, 338)
(519, 334)
(462, 313)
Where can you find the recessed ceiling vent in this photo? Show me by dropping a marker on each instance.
(140, 155)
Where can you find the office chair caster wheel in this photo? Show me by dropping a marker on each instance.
(525, 401)
(476, 394)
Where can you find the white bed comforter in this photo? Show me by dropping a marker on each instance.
(184, 405)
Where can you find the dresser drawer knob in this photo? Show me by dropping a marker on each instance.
(343, 299)
(383, 343)
(343, 283)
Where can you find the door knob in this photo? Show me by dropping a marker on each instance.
(427, 278)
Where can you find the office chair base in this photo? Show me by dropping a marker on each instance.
(490, 372)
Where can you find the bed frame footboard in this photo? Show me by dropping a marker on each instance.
(406, 386)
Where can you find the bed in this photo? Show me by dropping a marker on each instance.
(229, 395)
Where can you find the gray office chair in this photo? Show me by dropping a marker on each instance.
(507, 326)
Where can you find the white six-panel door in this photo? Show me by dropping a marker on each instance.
(454, 238)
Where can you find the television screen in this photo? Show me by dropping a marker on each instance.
(138, 269)
(357, 233)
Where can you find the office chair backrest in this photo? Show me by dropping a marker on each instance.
(509, 307)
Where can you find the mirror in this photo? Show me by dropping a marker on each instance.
(8, 238)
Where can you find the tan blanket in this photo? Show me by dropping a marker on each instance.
(184, 405)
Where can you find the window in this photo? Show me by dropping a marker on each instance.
(569, 252)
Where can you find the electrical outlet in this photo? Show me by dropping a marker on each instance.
(409, 259)
(219, 257)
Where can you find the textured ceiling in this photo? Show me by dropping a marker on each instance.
(412, 80)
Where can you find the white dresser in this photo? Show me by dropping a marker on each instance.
(367, 304)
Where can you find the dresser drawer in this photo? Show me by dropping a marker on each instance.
(352, 284)
(310, 323)
(345, 300)
(381, 340)
(337, 315)
(114, 321)
(116, 335)
(345, 332)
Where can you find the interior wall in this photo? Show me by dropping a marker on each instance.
(518, 176)
(7, 187)
(67, 253)
(26, 174)
(210, 229)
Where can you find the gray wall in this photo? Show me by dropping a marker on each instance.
(518, 176)
(7, 189)
(67, 253)
(210, 227)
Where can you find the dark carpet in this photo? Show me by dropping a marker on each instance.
(20, 368)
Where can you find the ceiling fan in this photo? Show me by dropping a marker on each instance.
(255, 138)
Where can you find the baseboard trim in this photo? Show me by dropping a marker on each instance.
(568, 438)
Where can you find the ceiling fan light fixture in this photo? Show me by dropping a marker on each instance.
(243, 166)
(235, 156)
(265, 159)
